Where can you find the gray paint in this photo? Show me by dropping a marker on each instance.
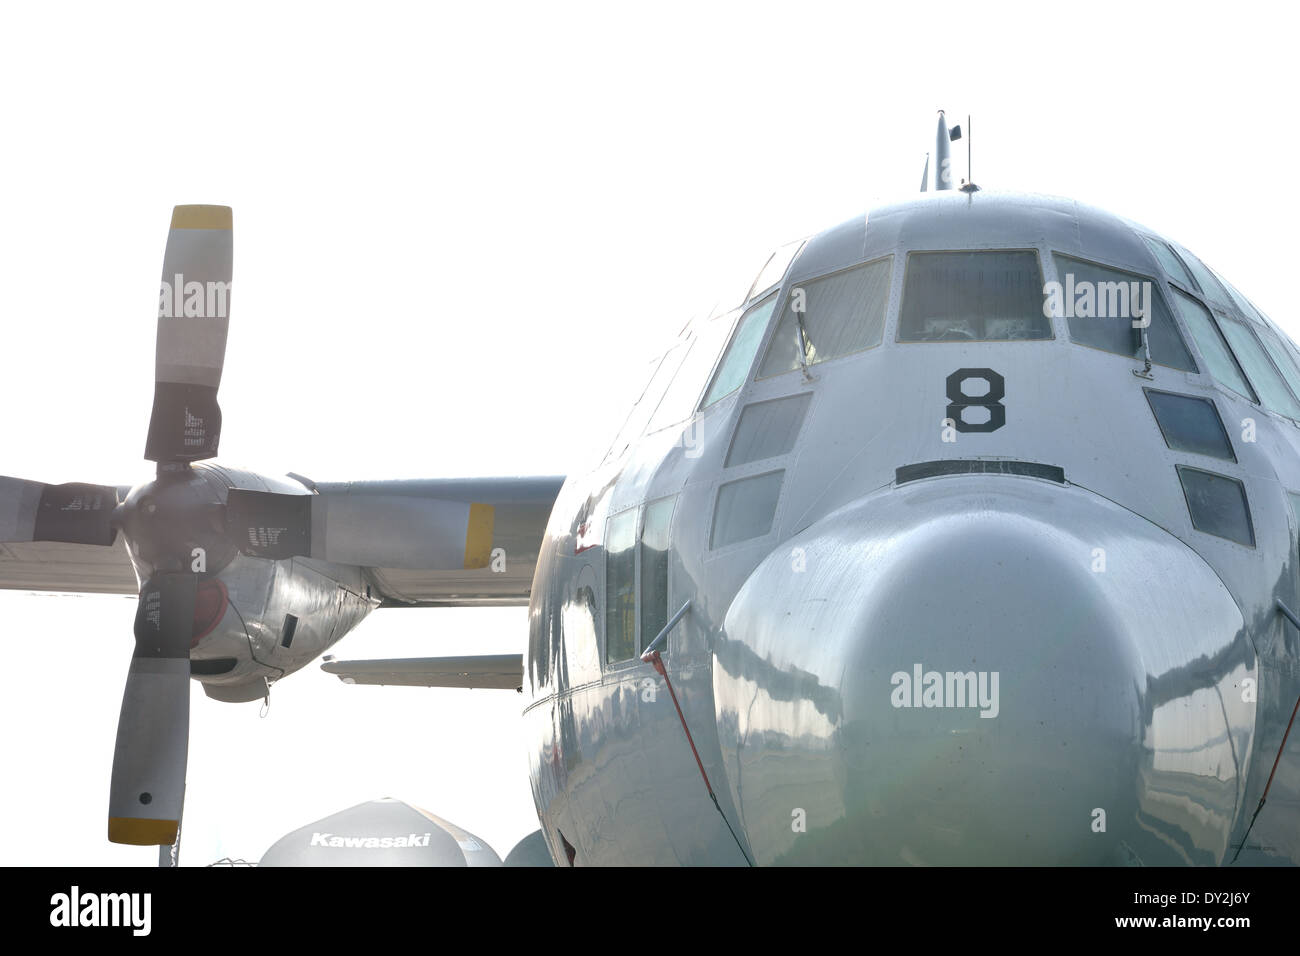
(1126, 689)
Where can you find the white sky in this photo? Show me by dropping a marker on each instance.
(460, 233)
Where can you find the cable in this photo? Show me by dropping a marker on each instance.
(653, 657)
(249, 638)
(1264, 795)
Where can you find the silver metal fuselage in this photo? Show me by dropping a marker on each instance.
(1153, 689)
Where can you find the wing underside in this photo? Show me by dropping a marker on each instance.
(489, 671)
(56, 566)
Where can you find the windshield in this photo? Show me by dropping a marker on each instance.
(973, 297)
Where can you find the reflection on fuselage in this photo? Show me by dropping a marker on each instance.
(1038, 539)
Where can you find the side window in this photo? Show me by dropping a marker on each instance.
(1273, 391)
(1282, 359)
(683, 393)
(1170, 262)
(980, 296)
(1188, 423)
(1217, 504)
(1091, 297)
(833, 316)
(773, 270)
(654, 568)
(740, 354)
(620, 587)
(649, 401)
(636, 577)
(1222, 365)
(745, 508)
(1209, 285)
(1240, 300)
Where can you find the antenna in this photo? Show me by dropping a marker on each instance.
(969, 185)
(942, 164)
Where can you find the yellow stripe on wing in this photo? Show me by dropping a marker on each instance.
(478, 535)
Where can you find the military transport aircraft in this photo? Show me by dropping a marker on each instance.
(969, 536)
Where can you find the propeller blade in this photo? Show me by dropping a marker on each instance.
(193, 318)
(370, 531)
(73, 513)
(148, 789)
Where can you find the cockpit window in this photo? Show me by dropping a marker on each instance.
(1209, 285)
(774, 270)
(1101, 304)
(975, 296)
(1273, 391)
(1282, 358)
(1170, 262)
(649, 401)
(1245, 305)
(740, 354)
(1214, 350)
(830, 317)
(706, 341)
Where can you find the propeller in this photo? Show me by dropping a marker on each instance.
(183, 509)
(149, 760)
(161, 522)
(73, 513)
(193, 319)
(148, 787)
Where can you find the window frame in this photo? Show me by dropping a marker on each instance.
(755, 294)
(606, 663)
(1149, 239)
(757, 469)
(902, 292)
(1156, 284)
(751, 371)
(1268, 357)
(1227, 439)
(1253, 397)
(787, 287)
(639, 640)
(642, 641)
(1245, 501)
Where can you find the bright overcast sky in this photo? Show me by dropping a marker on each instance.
(460, 234)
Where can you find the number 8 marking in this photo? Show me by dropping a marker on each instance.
(959, 401)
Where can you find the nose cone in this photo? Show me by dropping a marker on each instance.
(983, 670)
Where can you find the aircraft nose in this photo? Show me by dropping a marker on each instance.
(983, 670)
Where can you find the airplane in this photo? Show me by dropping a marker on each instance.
(968, 537)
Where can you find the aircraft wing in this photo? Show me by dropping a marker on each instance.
(520, 507)
(499, 671)
(385, 520)
(58, 566)
(60, 538)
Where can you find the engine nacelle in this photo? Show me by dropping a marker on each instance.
(256, 619)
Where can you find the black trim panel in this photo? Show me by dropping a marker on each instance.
(968, 466)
